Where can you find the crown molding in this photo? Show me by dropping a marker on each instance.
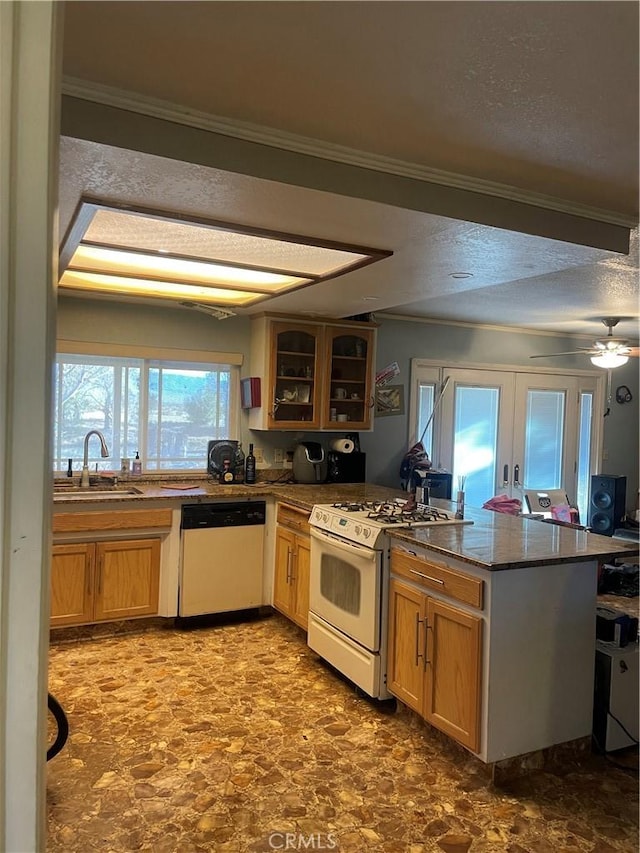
(490, 327)
(167, 111)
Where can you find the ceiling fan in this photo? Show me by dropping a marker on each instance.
(607, 352)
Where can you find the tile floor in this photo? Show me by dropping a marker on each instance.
(236, 738)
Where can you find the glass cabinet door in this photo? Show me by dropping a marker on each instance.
(349, 401)
(294, 376)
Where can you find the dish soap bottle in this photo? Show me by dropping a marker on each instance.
(70, 468)
(137, 465)
(250, 467)
(226, 475)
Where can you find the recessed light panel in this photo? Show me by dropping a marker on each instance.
(114, 284)
(127, 252)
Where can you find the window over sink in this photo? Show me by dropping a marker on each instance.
(165, 410)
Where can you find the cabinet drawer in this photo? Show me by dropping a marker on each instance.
(449, 582)
(296, 519)
(78, 522)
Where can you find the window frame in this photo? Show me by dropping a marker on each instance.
(165, 358)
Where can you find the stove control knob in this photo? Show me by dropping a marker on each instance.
(358, 529)
(366, 532)
(317, 515)
(325, 517)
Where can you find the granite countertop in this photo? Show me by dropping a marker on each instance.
(202, 489)
(496, 541)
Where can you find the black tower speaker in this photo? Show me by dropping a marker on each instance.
(607, 503)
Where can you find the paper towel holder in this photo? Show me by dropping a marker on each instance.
(355, 438)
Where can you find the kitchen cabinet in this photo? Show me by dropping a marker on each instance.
(349, 380)
(312, 373)
(434, 648)
(292, 558)
(104, 581)
(505, 653)
(107, 567)
(72, 583)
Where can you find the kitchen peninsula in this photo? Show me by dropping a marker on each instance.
(492, 630)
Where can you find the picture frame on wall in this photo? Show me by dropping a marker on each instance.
(389, 400)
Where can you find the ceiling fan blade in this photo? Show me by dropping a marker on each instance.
(634, 352)
(572, 352)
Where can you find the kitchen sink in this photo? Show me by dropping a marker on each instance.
(78, 494)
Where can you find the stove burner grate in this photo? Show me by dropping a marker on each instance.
(384, 517)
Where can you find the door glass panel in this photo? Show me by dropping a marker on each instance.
(544, 440)
(426, 396)
(295, 379)
(475, 442)
(348, 394)
(584, 452)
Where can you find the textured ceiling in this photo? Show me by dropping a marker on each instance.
(542, 97)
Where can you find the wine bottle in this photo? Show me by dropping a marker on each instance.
(238, 464)
(250, 467)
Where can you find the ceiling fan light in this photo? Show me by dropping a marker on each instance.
(609, 359)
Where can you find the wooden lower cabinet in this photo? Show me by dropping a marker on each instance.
(291, 575)
(434, 661)
(104, 581)
(72, 575)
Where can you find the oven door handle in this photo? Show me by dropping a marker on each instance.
(343, 544)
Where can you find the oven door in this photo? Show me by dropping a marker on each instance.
(345, 587)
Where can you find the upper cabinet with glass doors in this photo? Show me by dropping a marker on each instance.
(349, 395)
(315, 376)
(295, 385)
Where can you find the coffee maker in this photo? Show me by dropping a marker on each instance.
(346, 467)
(431, 484)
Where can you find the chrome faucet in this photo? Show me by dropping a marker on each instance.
(104, 452)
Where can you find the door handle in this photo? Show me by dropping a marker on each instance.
(516, 475)
(89, 569)
(505, 476)
(418, 622)
(289, 565)
(100, 561)
(427, 628)
(294, 557)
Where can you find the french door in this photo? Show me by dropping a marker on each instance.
(506, 431)
(476, 432)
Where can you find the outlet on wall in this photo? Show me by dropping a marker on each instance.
(278, 455)
(257, 452)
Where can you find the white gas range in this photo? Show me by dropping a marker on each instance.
(367, 522)
(349, 582)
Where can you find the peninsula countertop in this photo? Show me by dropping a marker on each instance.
(496, 541)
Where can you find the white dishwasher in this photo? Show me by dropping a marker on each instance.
(222, 549)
